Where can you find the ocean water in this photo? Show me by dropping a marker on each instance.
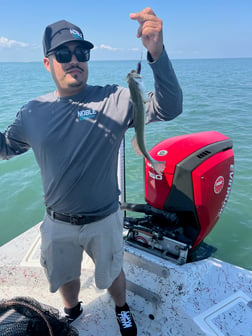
(217, 96)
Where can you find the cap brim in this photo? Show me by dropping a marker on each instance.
(86, 44)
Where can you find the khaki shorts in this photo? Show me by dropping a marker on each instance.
(63, 244)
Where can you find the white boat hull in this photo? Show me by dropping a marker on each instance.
(208, 297)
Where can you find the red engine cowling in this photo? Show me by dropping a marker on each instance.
(196, 182)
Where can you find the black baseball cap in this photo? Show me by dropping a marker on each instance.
(62, 32)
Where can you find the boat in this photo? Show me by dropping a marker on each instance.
(174, 284)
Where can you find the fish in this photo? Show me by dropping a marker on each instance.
(134, 81)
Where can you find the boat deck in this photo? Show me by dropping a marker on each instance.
(208, 297)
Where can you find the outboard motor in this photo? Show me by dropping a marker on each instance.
(184, 202)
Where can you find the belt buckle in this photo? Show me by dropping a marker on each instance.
(74, 220)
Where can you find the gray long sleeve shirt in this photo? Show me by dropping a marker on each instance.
(76, 139)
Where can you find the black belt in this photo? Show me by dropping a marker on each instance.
(73, 219)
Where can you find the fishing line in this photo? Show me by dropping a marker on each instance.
(139, 64)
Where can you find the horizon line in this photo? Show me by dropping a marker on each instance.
(135, 59)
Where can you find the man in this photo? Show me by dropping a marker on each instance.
(75, 133)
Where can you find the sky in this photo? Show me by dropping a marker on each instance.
(192, 28)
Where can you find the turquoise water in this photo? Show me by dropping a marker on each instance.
(217, 96)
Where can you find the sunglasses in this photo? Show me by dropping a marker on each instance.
(64, 55)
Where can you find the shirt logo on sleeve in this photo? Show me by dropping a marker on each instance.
(86, 114)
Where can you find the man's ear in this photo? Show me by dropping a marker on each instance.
(47, 64)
